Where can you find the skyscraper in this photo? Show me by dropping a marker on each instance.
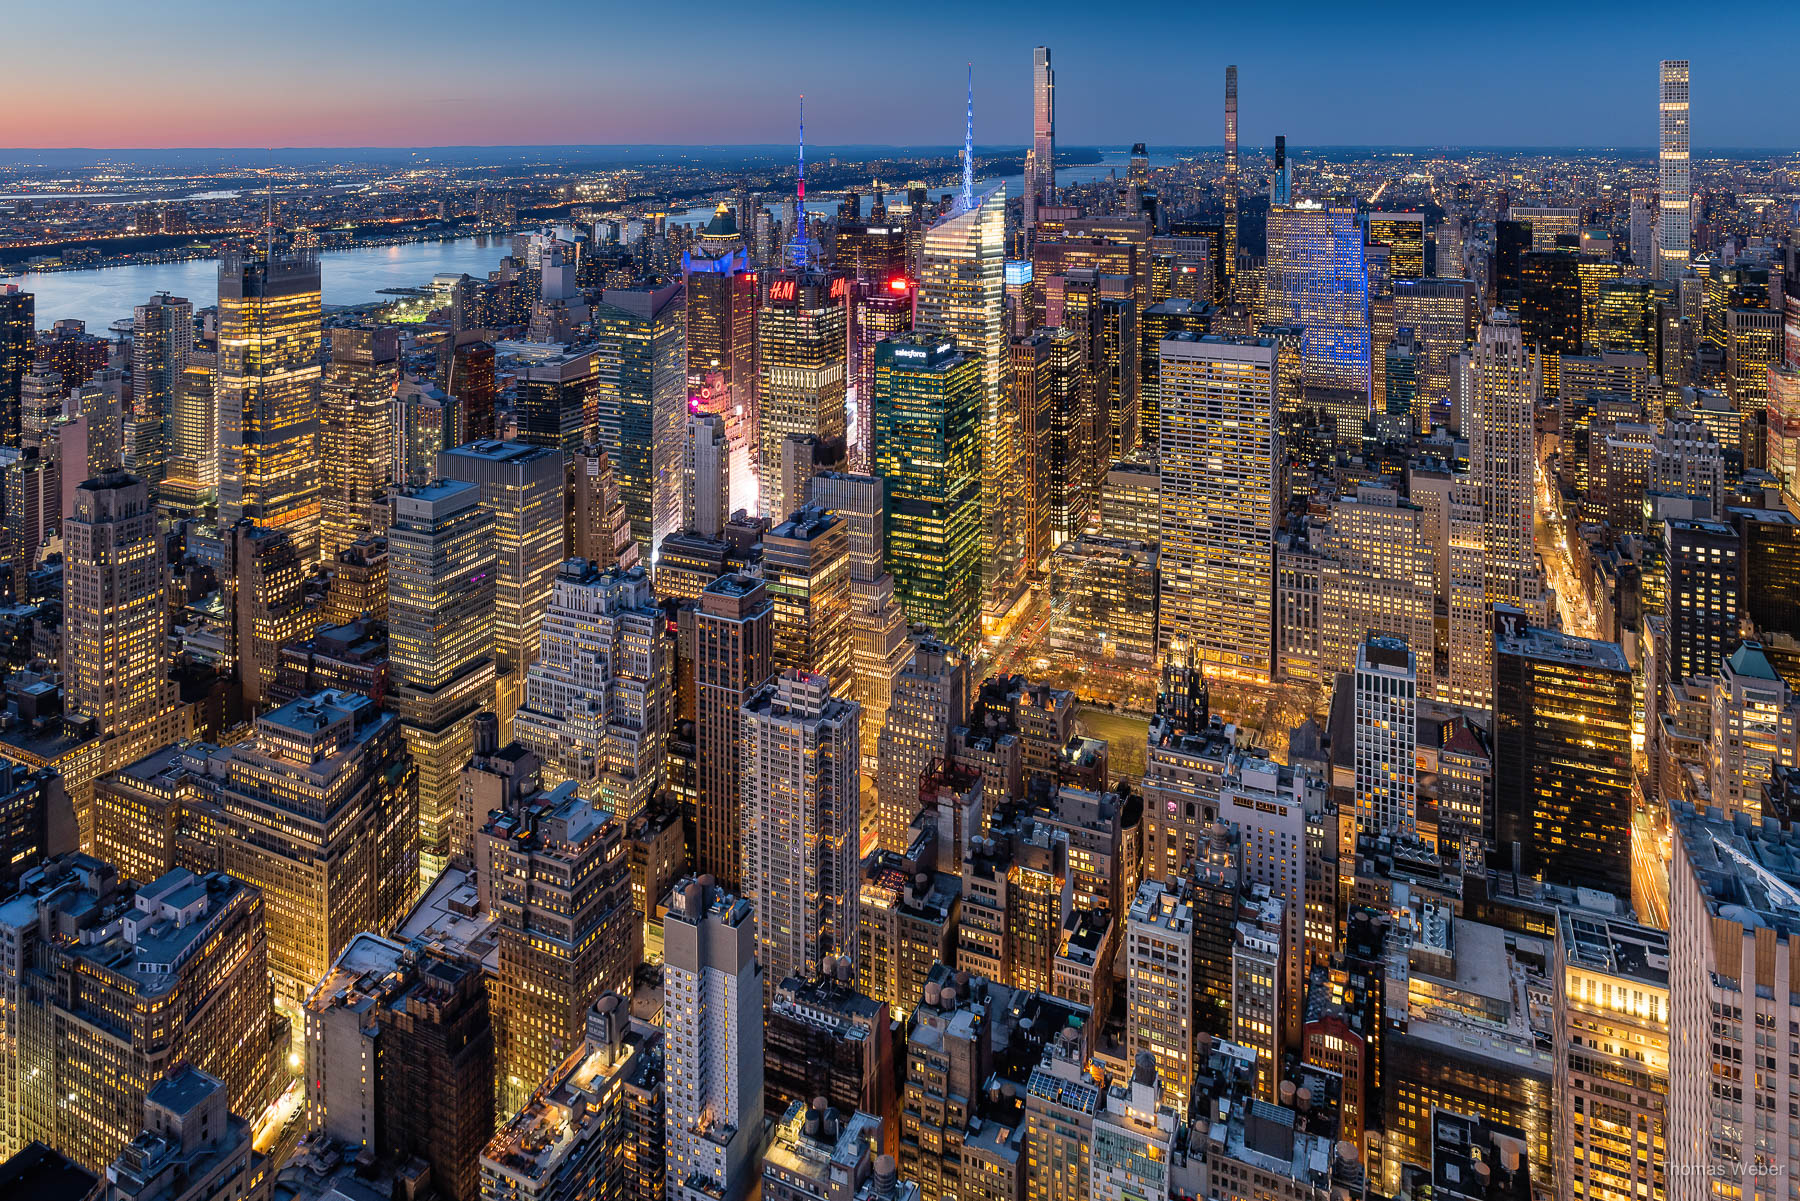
(356, 441)
(268, 390)
(1218, 502)
(18, 346)
(930, 699)
(1404, 235)
(597, 709)
(1674, 220)
(557, 877)
(1231, 178)
(1387, 704)
(162, 334)
(1040, 184)
(802, 822)
(713, 1018)
(106, 1008)
(523, 487)
(115, 619)
(928, 454)
(880, 649)
(1281, 187)
(321, 812)
(802, 339)
(441, 635)
(1500, 391)
(1317, 279)
(191, 480)
(706, 476)
(806, 567)
(734, 639)
(643, 403)
(1733, 890)
(962, 297)
(721, 358)
(1562, 753)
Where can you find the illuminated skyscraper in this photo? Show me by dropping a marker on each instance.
(706, 476)
(877, 620)
(1033, 387)
(597, 709)
(928, 455)
(1040, 178)
(1231, 178)
(802, 337)
(714, 1043)
(1404, 235)
(1316, 279)
(557, 399)
(1492, 559)
(734, 645)
(115, 621)
(522, 486)
(801, 809)
(881, 306)
(558, 881)
(1218, 503)
(1281, 185)
(321, 811)
(162, 334)
(806, 566)
(18, 344)
(356, 440)
(1502, 391)
(99, 1011)
(962, 297)
(1438, 311)
(643, 404)
(1674, 206)
(268, 390)
(721, 358)
(441, 634)
(191, 481)
(1071, 476)
(1387, 705)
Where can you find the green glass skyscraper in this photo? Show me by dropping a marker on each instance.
(928, 455)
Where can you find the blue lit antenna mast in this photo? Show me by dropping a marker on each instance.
(797, 248)
(968, 188)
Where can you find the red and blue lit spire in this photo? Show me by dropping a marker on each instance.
(798, 254)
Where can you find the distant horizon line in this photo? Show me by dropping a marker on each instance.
(1158, 148)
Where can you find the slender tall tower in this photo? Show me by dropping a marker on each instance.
(1040, 182)
(1231, 178)
(114, 621)
(441, 638)
(268, 389)
(801, 812)
(734, 636)
(1674, 219)
(1281, 188)
(356, 402)
(162, 334)
(962, 296)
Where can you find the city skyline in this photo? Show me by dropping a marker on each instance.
(406, 81)
(659, 674)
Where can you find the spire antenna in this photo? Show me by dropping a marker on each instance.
(797, 250)
(968, 188)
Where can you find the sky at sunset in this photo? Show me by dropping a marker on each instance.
(409, 73)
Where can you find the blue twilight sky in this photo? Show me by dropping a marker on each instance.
(459, 72)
